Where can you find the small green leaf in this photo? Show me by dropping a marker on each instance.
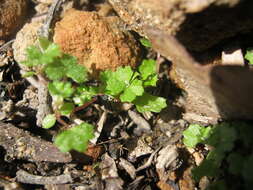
(108, 82)
(124, 74)
(63, 89)
(105, 76)
(84, 94)
(195, 134)
(216, 155)
(78, 73)
(145, 42)
(222, 137)
(151, 81)
(147, 102)
(249, 56)
(76, 138)
(55, 71)
(28, 74)
(53, 51)
(67, 108)
(33, 56)
(147, 68)
(49, 121)
(132, 91)
(235, 161)
(115, 82)
(206, 168)
(75, 71)
(44, 43)
(57, 102)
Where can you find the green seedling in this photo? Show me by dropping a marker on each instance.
(76, 138)
(66, 84)
(222, 140)
(249, 56)
(145, 42)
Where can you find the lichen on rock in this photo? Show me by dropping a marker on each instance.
(98, 42)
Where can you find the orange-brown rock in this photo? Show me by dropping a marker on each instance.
(98, 42)
(12, 16)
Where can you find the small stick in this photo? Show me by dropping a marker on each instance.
(149, 162)
(25, 177)
(84, 105)
(58, 118)
(43, 95)
(3, 47)
(54, 8)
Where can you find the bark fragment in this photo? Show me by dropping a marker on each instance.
(25, 177)
(20, 144)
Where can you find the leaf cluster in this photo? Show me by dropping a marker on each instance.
(68, 88)
(231, 144)
(129, 86)
(55, 64)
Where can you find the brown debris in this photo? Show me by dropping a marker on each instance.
(128, 167)
(110, 174)
(94, 151)
(186, 182)
(97, 42)
(143, 126)
(12, 16)
(8, 184)
(167, 160)
(25, 177)
(20, 144)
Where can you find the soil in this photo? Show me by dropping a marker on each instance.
(131, 150)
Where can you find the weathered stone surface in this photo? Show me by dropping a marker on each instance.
(25, 37)
(213, 92)
(12, 16)
(197, 24)
(98, 42)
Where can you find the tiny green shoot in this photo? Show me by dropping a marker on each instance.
(49, 121)
(145, 42)
(249, 56)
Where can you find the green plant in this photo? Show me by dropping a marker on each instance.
(230, 145)
(75, 138)
(249, 56)
(66, 84)
(145, 42)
